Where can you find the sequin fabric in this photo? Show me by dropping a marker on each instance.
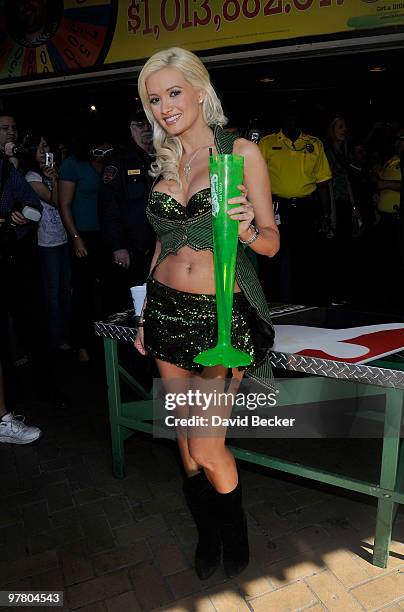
(167, 207)
(179, 325)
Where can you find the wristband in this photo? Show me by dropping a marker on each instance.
(75, 236)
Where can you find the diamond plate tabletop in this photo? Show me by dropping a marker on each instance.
(122, 327)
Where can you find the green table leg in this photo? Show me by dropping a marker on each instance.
(386, 509)
(114, 402)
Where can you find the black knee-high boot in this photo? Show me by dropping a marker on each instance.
(201, 498)
(233, 531)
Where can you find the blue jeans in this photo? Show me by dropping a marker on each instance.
(56, 281)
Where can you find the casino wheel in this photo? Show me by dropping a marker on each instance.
(54, 36)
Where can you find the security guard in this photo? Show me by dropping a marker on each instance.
(389, 183)
(122, 206)
(300, 175)
(389, 228)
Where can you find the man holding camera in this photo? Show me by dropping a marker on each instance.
(19, 205)
(20, 210)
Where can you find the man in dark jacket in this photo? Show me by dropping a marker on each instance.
(20, 282)
(122, 205)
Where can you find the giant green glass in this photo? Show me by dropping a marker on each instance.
(226, 172)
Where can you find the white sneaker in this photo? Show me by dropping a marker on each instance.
(13, 430)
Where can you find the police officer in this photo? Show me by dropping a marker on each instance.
(122, 206)
(300, 175)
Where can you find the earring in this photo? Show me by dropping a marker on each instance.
(200, 100)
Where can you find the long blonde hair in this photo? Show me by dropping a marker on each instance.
(169, 148)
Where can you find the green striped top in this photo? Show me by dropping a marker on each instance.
(196, 232)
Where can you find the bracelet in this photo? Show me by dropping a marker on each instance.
(253, 237)
(75, 236)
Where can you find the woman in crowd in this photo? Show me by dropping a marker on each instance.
(80, 175)
(348, 220)
(52, 239)
(180, 311)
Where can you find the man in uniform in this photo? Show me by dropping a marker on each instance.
(389, 228)
(300, 175)
(122, 206)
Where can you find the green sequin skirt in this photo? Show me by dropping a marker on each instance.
(179, 325)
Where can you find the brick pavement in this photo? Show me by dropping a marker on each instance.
(126, 545)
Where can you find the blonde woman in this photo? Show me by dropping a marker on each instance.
(179, 315)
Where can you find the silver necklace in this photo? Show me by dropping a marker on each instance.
(187, 166)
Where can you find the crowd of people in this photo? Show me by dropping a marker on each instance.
(73, 240)
(318, 223)
(336, 203)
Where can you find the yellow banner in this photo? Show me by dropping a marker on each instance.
(145, 26)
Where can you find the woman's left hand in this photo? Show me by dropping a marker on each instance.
(244, 213)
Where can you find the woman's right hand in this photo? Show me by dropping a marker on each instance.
(79, 247)
(18, 219)
(50, 173)
(139, 341)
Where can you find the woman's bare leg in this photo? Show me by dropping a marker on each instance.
(170, 372)
(213, 494)
(210, 452)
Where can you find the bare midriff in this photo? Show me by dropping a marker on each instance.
(188, 270)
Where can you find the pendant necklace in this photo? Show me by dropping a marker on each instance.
(187, 166)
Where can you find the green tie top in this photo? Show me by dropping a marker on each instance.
(177, 226)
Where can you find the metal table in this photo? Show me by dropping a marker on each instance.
(384, 376)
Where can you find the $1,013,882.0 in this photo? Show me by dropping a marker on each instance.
(183, 14)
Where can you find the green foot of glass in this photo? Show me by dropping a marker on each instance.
(227, 356)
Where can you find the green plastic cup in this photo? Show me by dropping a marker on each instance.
(226, 172)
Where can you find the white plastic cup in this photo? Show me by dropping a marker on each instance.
(138, 297)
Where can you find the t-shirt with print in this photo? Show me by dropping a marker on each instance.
(85, 200)
(51, 231)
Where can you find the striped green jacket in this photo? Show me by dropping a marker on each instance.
(196, 232)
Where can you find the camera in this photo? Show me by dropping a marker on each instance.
(13, 150)
(49, 160)
(254, 135)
